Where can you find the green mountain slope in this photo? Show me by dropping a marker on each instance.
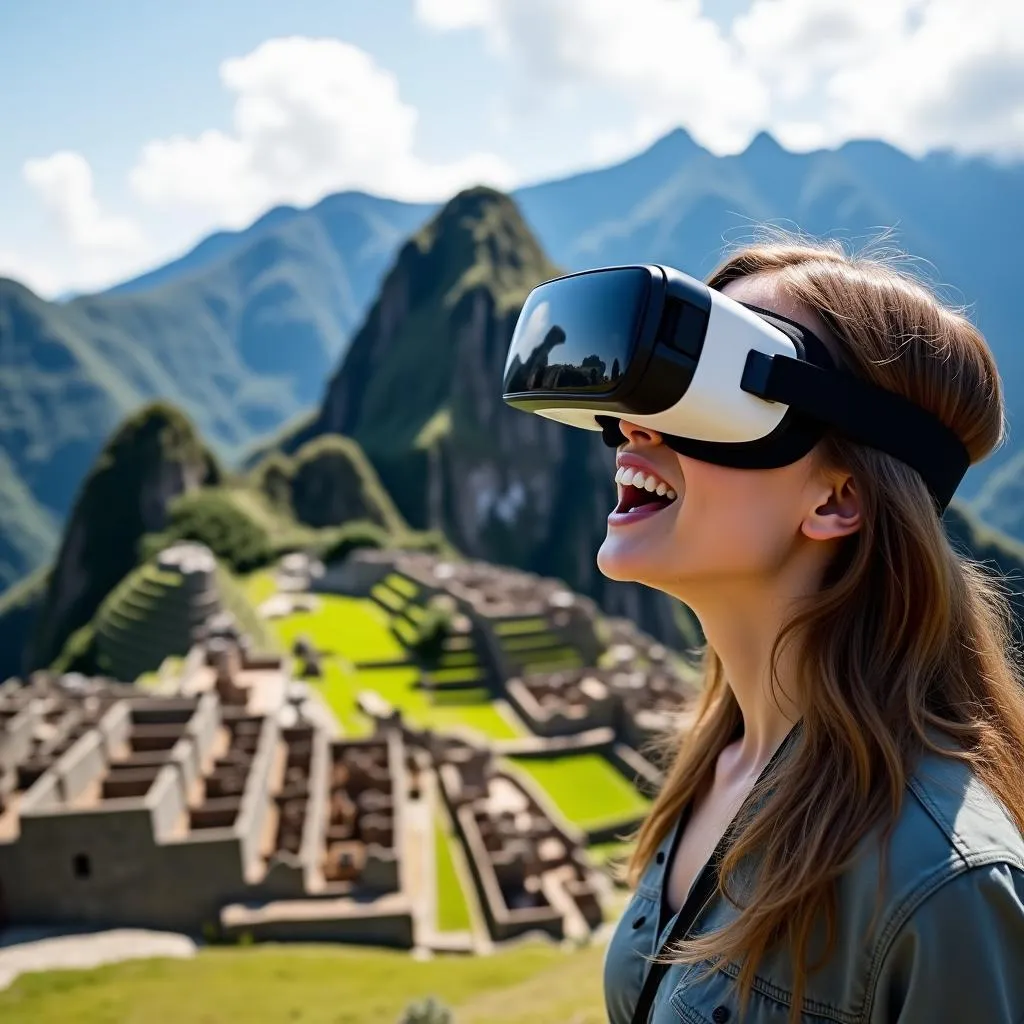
(153, 457)
(1001, 501)
(419, 390)
(994, 549)
(241, 337)
(30, 531)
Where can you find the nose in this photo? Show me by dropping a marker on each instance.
(635, 434)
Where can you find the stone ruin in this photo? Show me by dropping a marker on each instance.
(530, 874)
(360, 841)
(41, 719)
(492, 591)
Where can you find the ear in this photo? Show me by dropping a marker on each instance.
(836, 512)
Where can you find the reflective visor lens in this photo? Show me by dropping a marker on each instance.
(577, 334)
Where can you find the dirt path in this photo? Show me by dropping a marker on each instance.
(27, 950)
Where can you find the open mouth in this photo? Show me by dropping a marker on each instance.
(641, 492)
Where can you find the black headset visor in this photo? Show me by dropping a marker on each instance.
(617, 343)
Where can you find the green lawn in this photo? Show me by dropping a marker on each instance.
(513, 627)
(452, 909)
(266, 984)
(258, 586)
(171, 665)
(353, 628)
(339, 688)
(585, 787)
(358, 631)
(397, 685)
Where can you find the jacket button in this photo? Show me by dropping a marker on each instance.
(661, 857)
(638, 923)
(720, 1014)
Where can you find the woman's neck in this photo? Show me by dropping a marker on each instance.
(742, 629)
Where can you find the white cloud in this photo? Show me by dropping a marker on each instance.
(311, 116)
(91, 247)
(32, 273)
(673, 63)
(452, 14)
(64, 183)
(918, 73)
(946, 81)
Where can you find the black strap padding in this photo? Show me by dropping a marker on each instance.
(864, 413)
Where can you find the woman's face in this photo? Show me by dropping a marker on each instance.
(725, 526)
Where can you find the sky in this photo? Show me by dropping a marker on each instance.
(130, 130)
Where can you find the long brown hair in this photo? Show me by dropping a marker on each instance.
(905, 636)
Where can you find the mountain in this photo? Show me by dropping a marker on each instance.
(241, 332)
(1001, 501)
(364, 228)
(154, 457)
(678, 204)
(995, 550)
(419, 391)
(410, 443)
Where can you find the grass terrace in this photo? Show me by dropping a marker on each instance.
(585, 788)
(356, 632)
(470, 708)
(534, 983)
(259, 586)
(530, 644)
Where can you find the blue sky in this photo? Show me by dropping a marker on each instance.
(131, 130)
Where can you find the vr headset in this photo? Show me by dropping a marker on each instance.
(719, 380)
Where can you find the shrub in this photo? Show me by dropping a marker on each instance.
(211, 517)
(360, 533)
(429, 1011)
(433, 628)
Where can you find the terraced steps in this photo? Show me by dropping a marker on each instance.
(151, 615)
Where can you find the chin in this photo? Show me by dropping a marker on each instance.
(623, 565)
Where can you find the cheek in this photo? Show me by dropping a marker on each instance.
(734, 523)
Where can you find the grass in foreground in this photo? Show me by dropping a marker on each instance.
(265, 984)
(586, 788)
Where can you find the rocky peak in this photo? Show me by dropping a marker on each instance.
(154, 456)
(477, 242)
(420, 390)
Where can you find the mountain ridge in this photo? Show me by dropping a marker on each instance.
(242, 331)
(411, 439)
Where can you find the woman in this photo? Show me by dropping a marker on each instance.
(847, 808)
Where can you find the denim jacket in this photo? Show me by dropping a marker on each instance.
(946, 947)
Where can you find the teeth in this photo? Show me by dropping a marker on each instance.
(626, 476)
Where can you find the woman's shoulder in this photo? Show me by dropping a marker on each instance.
(949, 874)
(952, 828)
(949, 808)
(952, 933)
